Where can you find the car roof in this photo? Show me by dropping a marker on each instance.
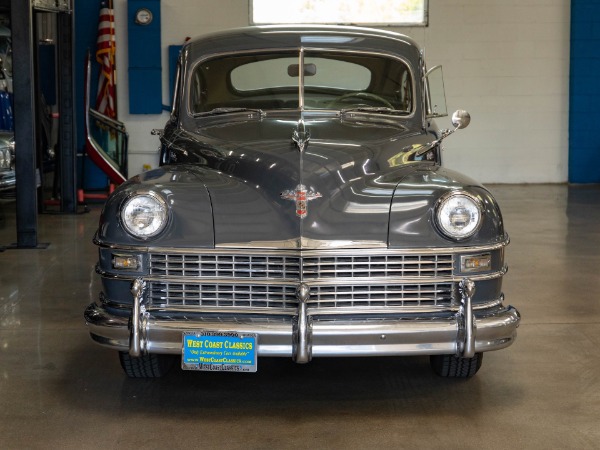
(307, 36)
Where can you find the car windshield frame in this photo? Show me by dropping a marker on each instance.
(298, 90)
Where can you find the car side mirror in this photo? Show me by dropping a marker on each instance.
(461, 119)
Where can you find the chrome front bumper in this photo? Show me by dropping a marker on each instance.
(304, 336)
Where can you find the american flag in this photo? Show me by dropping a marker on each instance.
(105, 55)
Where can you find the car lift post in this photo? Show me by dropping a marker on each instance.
(24, 77)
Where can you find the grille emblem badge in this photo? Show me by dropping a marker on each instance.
(301, 196)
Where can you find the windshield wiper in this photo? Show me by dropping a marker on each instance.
(374, 109)
(218, 111)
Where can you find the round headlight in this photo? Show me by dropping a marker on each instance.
(458, 215)
(144, 215)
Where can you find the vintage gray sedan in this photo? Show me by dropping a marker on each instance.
(301, 210)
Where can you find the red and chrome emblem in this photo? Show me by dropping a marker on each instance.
(301, 196)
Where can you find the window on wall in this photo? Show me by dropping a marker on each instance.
(363, 12)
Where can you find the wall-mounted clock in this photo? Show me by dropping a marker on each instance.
(143, 16)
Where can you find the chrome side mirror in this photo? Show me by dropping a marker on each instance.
(461, 119)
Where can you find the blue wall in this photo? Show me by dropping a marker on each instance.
(584, 116)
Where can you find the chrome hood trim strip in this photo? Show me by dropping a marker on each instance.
(305, 243)
(288, 247)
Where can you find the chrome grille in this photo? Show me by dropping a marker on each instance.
(343, 296)
(224, 266)
(236, 280)
(164, 295)
(288, 267)
(377, 266)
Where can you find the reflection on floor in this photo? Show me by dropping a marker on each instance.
(59, 390)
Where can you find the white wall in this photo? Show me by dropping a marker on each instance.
(505, 61)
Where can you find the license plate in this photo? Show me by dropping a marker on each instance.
(219, 351)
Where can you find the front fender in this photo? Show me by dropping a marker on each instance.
(412, 222)
(190, 222)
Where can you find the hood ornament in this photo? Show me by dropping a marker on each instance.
(301, 196)
(301, 136)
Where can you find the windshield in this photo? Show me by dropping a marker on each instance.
(332, 81)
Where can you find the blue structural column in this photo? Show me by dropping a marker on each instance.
(584, 116)
(145, 71)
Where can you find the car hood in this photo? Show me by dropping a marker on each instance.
(356, 184)
(330, 194)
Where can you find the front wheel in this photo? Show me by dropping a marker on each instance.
(452, 366)
(146, 366)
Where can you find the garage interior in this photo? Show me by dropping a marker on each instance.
(524, 71)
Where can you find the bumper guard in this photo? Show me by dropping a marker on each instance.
(304, 336)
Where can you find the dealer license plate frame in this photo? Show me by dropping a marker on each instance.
(219, 351)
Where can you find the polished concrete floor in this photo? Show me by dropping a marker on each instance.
(59, 390)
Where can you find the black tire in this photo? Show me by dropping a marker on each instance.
(451, 366)
(146, 366)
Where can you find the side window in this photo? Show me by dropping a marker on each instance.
(405, 93)
(435, 94)
(197, 91)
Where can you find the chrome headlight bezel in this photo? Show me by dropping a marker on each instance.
(451, 201)
(158, 214)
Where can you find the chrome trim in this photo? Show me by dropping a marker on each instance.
(219, 310)
(302, 327)
(466, 348)
(305, 243)
(225, 296)
(489, 276)
(301, 90)
(313, 311)
(135, 341)
(301, 136)
(401, 309)
(456, 193)
(496, 329)
(236, 281)
(343, 281)
(366, 281)
(288, 247)
(149, 193)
